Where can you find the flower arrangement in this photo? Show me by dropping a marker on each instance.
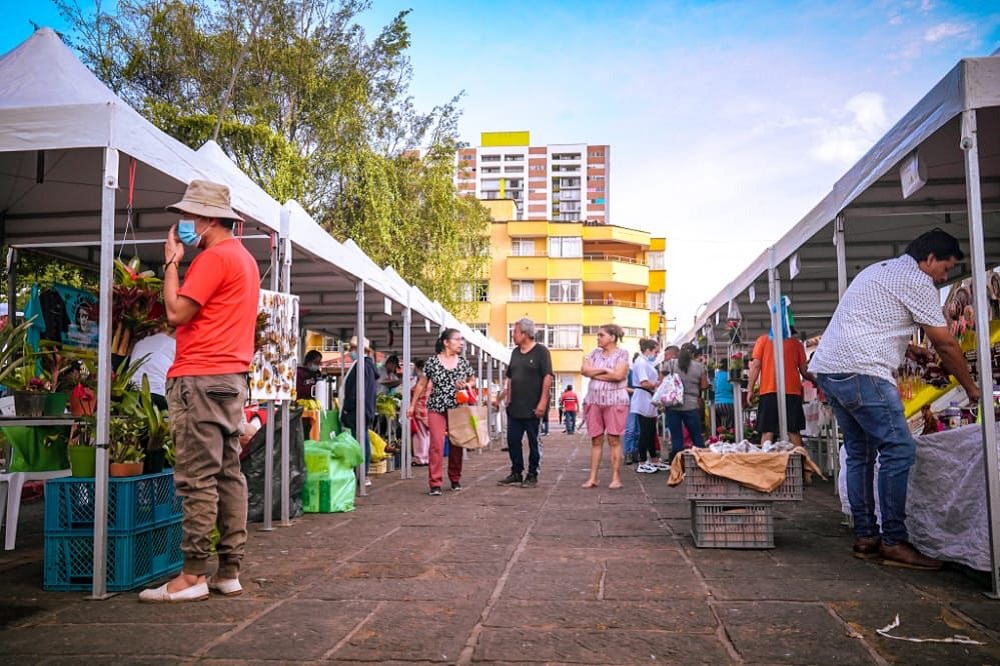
(736, 361)
(138, 309)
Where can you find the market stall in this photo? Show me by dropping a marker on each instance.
(939, 166)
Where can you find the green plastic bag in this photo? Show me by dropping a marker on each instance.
(317, 458)
(37, 449)
(346, 451)
(329, 425)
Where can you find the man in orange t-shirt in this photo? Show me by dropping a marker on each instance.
(215, 312)
(762, 366)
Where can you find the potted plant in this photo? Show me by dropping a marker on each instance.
(58, 373)
(81, 450)
(13, 341)
(157, 430)
(29, 391)
(736, 366)
(125, 448)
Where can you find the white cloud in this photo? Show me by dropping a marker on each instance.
(845, 141)
(946, 30)
(926, 6)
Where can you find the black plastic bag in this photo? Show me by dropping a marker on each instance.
(252, 466)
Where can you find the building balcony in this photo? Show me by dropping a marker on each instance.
(565, 268)
(527, 268)
(528, 229)
(536, 311)
(617, 234)
(610, 272)
(623, 313)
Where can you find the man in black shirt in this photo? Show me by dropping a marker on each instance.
(529, 378)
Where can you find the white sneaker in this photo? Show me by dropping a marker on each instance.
(368, 483)
(229, 587)
(645, 468)
(659, 464)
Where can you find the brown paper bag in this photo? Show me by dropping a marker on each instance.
(468, 426)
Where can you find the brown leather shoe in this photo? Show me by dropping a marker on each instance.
(903, 554)
(866, 548)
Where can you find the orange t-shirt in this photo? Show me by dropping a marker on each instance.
(219, 339)
(795, 354)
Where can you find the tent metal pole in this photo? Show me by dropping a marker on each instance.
(360, 420)
(109, 186)
(489, 398)
(738, 410)
(269, 438)
(778, 341)
(285, 254)
(12, 285)
(406, 471)
(484, 388)
(840, 243)
(984, 359)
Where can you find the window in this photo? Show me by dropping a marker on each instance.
(566, 336)
(657, 260)
(489, 158)
(596, 153)
(523, 247)
(655, 300)
(490, 170)
(481, 328)
(513, 158)
(474, 292)
(522, 291)
(513, 169)
(595, 177)
(565, 246)
(565, 291)
(536, 167)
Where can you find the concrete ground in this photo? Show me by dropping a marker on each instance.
(553, 574)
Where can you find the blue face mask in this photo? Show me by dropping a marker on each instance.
(186, 232)
(353, 355)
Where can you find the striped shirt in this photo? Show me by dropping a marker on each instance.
(600, 392)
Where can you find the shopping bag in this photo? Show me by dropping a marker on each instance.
(468, 426)
(670, 392)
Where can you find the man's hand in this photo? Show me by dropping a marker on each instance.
(974, 395)
(173, 249)
(540, 411)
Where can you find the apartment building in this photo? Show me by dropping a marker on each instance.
(558, 182)
(569, 278)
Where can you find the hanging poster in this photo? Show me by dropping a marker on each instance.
(276, 344)
(66, 316)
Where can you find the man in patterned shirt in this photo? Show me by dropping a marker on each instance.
(854, 363)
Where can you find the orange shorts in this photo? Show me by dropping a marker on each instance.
(608, 419)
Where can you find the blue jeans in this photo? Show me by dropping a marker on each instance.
(630, 440)
(870, 415)
(570, 422)
(516, 429)
(677, 420)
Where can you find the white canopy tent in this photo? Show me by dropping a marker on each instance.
(951, 140)
(64, 190)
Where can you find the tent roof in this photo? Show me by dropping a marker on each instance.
(878, 221)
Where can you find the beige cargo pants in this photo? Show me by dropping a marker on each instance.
(205, 415)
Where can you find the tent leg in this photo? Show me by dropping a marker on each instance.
(406, 471)
(109, 186)
(360, 423)
(984, 358)
(778, 331)
(269, 471)
(286, 472)
(840, 243)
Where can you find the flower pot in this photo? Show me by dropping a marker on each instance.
(735, 374)
(153, 462)
(82, 461)
(82, 406)
(55, 404)
(125, 469)
(29, 404)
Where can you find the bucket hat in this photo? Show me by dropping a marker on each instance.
(354, 343)
(206, 199)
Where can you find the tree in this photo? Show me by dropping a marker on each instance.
(309, 107)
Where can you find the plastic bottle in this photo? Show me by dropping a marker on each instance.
(953, 415)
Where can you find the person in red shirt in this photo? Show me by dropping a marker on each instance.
(762, 366)
(569, 404)
(215, 312)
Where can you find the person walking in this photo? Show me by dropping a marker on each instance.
(606, 404)
(688, 414)
(864, 344)
(630, 438)
(529, 378)
(646, 378)
(569, 402)
(349, 400)
(420, 428)
(446, 372)
(724, 400)
(796, 369)
(214, 312)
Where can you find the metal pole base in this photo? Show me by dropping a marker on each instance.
(106, 595)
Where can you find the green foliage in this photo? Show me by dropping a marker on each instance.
(17, 363)
(310, 107)
(126, 435)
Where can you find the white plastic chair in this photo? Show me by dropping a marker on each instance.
(10, 498)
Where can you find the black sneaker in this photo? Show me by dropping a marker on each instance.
(435, 492)
(456, 486)
(530, 481)
(511, 480)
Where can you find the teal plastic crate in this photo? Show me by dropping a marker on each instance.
(134, 559)
(134, 503)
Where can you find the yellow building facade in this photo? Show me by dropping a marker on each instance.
(570, 278)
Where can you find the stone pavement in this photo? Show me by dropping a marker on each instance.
(554, 574)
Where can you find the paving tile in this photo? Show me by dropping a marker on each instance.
(677, 615)
(181, 640)
(789, 633)
(651, 580)
(577, 581)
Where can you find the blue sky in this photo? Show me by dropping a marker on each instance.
(727, 121)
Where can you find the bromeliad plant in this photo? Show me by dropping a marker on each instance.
(15, 354)
(138, 308)
(127, 435)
